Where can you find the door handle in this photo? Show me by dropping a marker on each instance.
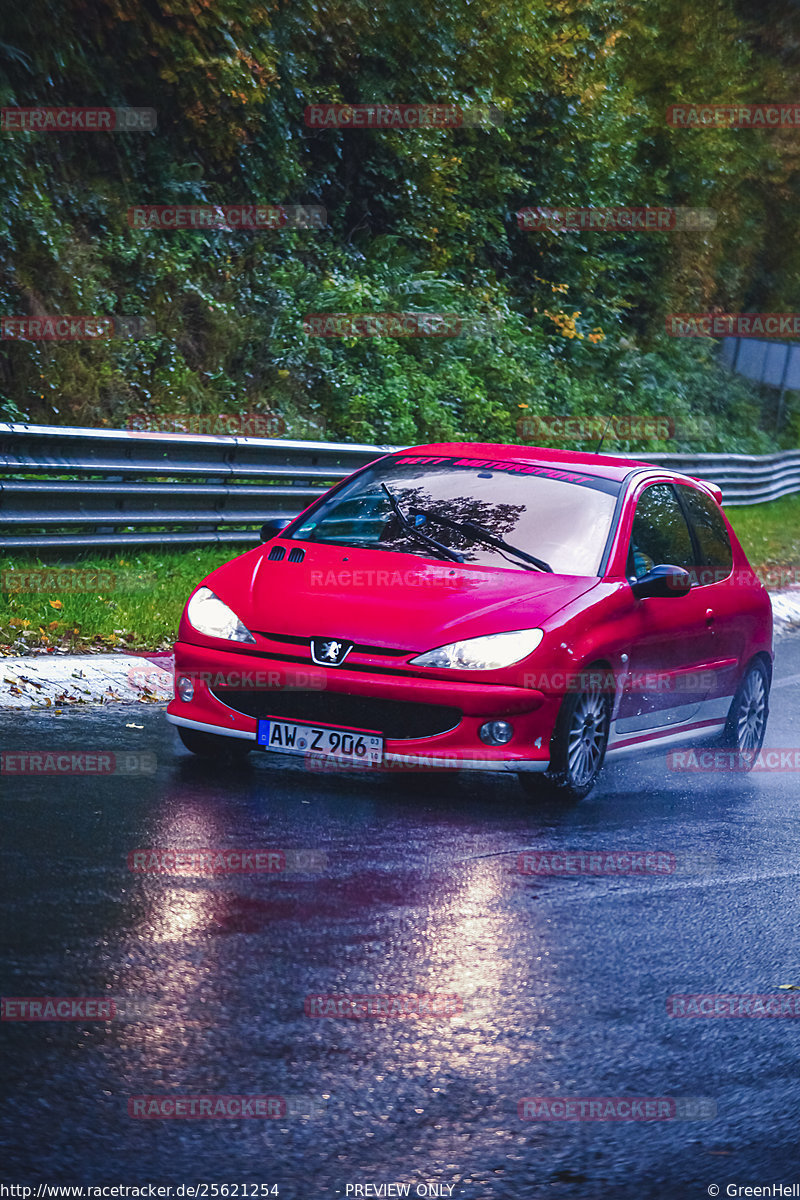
(709, 617)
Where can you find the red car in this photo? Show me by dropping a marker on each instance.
(492, 607)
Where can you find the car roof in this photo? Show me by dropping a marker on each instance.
(604, 466)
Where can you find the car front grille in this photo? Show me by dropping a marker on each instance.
(303, 643)
(395, 719)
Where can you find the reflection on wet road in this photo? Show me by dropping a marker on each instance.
(414, 888)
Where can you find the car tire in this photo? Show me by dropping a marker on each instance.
(212, 746)
(746, 723)
(577, 749)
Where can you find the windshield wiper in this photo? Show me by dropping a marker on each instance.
(483, 535)
(412, 530)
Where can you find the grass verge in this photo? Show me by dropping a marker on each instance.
(128, 602)
(770, 537)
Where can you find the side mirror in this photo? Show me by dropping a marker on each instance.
(273, 527)
(663, 580)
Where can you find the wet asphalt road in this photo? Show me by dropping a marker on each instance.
(563, 980)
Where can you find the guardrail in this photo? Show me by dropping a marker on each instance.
(82, 489)
(776, 364)
(744, 478)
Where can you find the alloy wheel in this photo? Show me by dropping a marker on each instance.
(751, 716)
(587, 737)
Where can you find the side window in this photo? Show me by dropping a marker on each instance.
(712, 536)
(660, 533)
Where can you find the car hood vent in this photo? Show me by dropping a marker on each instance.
(296, 555)
(276, 553)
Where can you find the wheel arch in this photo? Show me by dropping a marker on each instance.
(761, 656)
(596, 664)
(766, 659)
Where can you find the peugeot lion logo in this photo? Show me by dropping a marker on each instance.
(329, 652)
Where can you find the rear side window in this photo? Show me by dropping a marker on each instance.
(660, 533)
(712, 536)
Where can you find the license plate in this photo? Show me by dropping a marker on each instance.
(321, 741)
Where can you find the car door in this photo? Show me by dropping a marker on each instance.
(671, 637)
(722, 594)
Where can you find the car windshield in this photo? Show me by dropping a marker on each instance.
(561, 517)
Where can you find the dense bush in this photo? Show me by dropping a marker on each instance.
(419, 220)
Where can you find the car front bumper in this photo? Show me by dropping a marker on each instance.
(258, 679)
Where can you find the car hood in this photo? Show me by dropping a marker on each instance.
(387, 599)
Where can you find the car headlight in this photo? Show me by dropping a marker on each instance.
(483, 653)
(207, 614)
